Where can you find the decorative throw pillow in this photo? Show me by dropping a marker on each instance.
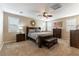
(32, 30)
(38, 29)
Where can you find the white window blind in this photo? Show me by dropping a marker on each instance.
(71, 24)
(13, 23)
(49, 26)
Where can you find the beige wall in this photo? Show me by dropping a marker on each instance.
(1, 28)
(77, 19)
(10, 36)
(63, 26)
(65, 33)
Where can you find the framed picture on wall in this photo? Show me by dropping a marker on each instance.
(58, 24)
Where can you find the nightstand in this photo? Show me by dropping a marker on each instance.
(20, 37)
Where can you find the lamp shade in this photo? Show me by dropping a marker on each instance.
(20, 27)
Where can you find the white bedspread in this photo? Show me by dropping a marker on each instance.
(35, 35)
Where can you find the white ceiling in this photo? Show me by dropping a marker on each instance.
(28, 9)
(34, 9)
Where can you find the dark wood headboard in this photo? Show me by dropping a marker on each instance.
(28, 28)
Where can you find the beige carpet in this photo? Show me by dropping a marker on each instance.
(29, 48)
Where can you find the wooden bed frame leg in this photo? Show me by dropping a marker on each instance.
(40, 46)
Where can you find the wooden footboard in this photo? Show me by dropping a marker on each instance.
(40, 39)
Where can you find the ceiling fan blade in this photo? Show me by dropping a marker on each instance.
(49, 15)
(39, 15)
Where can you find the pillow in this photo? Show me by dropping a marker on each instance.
(38, 30)
(32, 30)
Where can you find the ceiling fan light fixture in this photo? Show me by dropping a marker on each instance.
(45, 14)
(49, 15)
(21, 12)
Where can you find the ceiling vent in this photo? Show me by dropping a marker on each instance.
(56, 6)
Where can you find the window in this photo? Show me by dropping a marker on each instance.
(13, 23)
(49, 25)
(71, 24)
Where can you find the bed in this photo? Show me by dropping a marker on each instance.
(35, 33)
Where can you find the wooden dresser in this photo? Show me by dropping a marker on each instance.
(20, 37)
(57, 33)
(74, 38)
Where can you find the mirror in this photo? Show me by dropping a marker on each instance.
(33, 23)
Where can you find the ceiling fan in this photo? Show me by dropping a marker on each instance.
(50, 10)
(46, 14)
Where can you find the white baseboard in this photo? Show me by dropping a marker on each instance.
(9, 42)
(1, 45)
